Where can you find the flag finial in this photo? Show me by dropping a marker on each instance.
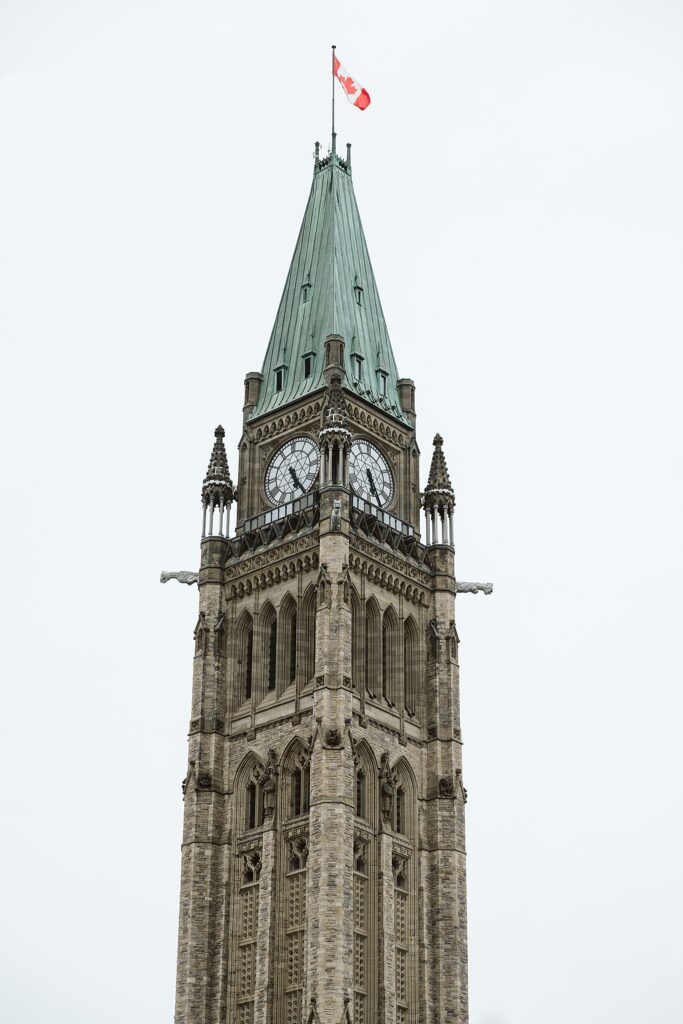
(334, 75)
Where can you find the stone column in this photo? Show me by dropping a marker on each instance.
(386, 951)
(201, 891)
(329, 976)
(442, 855)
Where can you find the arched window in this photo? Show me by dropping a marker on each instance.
(301, 790)
(373, 647)
(268, 649)
(410, 668)
(358, 643)
(308, 638)
(292, 649)
(366, 915)
(287, 625)
(390, 682)
(249, 812)
(244, 656)
(405, 887)
(272, 655)
(249, 662)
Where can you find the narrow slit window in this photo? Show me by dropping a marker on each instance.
(382, 384)
(308, 366)
(249, 663)
(400, 811)
(292, 649)
(279, 379)
(272, 655)
(357, 367)
(360, 795)
(252, 800)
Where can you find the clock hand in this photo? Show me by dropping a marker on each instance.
(373, 489)
(295, 478)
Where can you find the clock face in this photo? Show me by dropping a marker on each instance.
(369, 474)
(292, 470)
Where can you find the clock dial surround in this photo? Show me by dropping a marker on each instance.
(292, 470)
(369, 474)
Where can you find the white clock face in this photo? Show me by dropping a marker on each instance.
(369, 474)
(292, 470)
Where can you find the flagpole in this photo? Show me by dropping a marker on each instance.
(334, 134)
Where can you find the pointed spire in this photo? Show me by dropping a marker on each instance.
(218, 491)
(217, 483)
(439, 480)
(438, 499)
(330, 289)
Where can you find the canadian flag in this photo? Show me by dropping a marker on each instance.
(355, 93)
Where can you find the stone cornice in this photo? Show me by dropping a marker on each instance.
(389, 570)
(266, 568)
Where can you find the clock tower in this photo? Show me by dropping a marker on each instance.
(323, 857)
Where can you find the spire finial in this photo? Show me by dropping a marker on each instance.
(218, 491)
(438, 499)
(334, 76)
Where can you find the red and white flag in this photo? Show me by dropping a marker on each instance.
(355, 93)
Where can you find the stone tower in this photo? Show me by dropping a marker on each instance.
(323, 858)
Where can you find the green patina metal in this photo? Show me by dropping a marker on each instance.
(330, 289)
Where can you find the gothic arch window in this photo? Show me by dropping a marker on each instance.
(248, 788)
(300, 790)
(373, 647)
(390, 680)
(244, 635)
(366, 782)
(365, 910)
(295, 927)
(405, 888)
(287, 638)
(405, 800)
(308, 612)
(410, 665)
(269, 647)
(249, 873)
(357, 642)
(292, 881)
(296, 780)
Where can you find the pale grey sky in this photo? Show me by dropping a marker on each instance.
(519, 178)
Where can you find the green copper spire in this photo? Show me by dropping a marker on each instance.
(330, 289)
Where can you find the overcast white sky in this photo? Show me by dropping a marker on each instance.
(519, 178)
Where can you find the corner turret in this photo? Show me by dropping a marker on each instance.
(438, 499)
(218, 491)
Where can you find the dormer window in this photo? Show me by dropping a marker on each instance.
(382, 384)
(308, 358)
(280, 372)
(357, 367)
(358, 292)
(306, 291)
